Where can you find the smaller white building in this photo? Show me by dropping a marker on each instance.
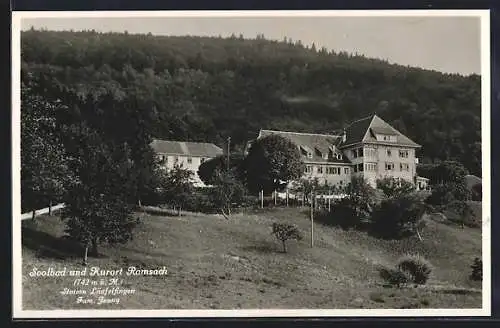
(189, 155)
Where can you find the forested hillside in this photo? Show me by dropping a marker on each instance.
(206, 89)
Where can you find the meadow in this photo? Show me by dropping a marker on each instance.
(214, 263)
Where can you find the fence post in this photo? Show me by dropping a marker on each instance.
(312, 220)
(262, 198)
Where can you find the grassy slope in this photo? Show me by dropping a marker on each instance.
(214, 263)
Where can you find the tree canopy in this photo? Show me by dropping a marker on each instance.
(272, 162)
(205, 89)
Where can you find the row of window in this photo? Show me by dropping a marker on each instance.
(164, 158)
(402, 167)
(328, 169)
(371, 152)
(372, 167)
(332, 155)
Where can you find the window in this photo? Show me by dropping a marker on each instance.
(189, 160)
(357, 152)
(308, 168)
(371, 167)
(320, 169)
(309, 155)
(338, 156)
(403, 153)
(404, 167)
(360, 167)
(346, 170)
(389, 153)
(370, 152)
(333, 170)
(389, 166)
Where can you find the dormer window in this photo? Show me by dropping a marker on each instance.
(308, 152)
(386, 137)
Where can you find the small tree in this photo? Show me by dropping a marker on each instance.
(284, 232)
(477, 269)
(178, 186)
(272, 162)
(461, 212)
(226, 191)
(392, 187)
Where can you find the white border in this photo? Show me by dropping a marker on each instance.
(19, 313)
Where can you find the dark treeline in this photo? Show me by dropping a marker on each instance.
(206, 89)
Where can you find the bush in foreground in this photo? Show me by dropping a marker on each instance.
(395, 277)
(417, 267)
(284, 232)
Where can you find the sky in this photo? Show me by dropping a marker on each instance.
(446, 44)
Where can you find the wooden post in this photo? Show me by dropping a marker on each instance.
(275, 197)
(287, 195)
(50, 207)
(33, 215)
(312, 220)
(329, 201)
(262, 199)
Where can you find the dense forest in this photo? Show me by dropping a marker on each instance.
(207, 89)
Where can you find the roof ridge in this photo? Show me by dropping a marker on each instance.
(304, 133)
(362, 119)
(195, 142)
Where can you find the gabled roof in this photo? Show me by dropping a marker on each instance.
(365, 129)
(199, 149)
(311, 142)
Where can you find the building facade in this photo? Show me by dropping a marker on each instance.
(188, 155)
(368, 147)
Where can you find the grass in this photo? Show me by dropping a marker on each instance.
(214, 263)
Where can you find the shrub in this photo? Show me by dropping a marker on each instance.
(395, 277)
(462, 213)
(477, 270)
(417, 267)
(355, 209)
(392, 187)
(284, 232)
(399, 216)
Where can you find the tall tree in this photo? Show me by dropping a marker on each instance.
(96, 209)
(44, 167)
(272, 162)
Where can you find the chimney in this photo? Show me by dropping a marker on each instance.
(344, 136)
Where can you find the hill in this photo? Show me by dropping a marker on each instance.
(206, 89)
(220, 264)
